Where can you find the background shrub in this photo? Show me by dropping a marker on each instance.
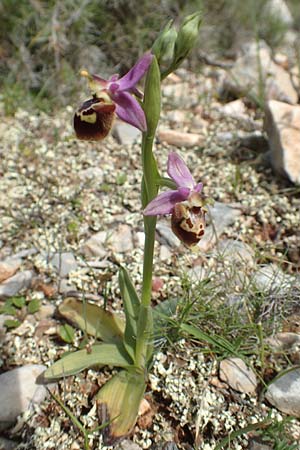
(44, 43)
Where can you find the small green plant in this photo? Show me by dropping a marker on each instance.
(67, 333)
(128, 343)
(18, 307)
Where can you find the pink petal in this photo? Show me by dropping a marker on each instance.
(165, 202)
(199, 187)
(129, 110)
(179, 172)
(128, 81)
(100, 80)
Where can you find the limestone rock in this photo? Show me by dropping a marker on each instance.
(180, 139)
(271, 279)
(282, 124)
(235, 108)
(284, 393)
(278, 11)
(18, 390)
(125, 133)
(255, 67)
(166, 235)
(95, 245)
(64, 263)
(283, 341)
(8, 268)
(127, 445)
(237, 252)
(239, 377)
(121, 239)
(16, 283)
(219, 217)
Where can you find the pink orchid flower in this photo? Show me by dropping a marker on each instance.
(185, 204)
(94, 118)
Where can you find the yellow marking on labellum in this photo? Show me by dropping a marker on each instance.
(89, 118)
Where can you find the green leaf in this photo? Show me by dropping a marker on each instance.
(11, 323)
(97, 355)
(119, 401)
(144, 339)
(33, 306)
(67, 333)
(18, 302)
(131, 304)
(220, 344)
(162, 313)
(93, 319)
(8, 308)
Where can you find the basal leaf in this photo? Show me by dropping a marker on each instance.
(131, 304)
(33, 306)
(97, 355)
(18, 302)
(144, 336)
(67, 333)
(93, 319)
(11, 323)
(118, 402)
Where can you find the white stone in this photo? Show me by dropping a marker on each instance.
(18, 390)
(167, 234)
(239, 377)
(234, 108)
(218, 218)
(125, 133)
(95, 245)
(255, 69)
(283, 341)
(236, 252)
(121, 240)
(64, 263)
(91, 173)
(164, 254)
(282, 124)
(180, 139)
(271, 279)
(284, 393)
(8, 268)
(16, 283)
(279, 11)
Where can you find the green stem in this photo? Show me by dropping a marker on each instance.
(149, 221)
(151, 106)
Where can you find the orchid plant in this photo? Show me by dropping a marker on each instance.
(127, 343)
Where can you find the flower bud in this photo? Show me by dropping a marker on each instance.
(187, 36)
(163, 47)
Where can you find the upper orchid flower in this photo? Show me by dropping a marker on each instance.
(94, 118)
(186, 204)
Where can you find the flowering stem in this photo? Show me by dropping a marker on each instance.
(149, 191)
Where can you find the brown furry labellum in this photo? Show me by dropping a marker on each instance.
(94, 119)
(188, 223)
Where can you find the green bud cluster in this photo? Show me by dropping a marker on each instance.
(172, 46)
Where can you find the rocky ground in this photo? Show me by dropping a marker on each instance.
(71, 214)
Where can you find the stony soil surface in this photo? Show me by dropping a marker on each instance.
(56, 193)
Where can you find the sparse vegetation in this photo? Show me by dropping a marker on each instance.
(43, 45)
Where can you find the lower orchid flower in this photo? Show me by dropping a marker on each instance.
(115, 96)
(185, 204)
